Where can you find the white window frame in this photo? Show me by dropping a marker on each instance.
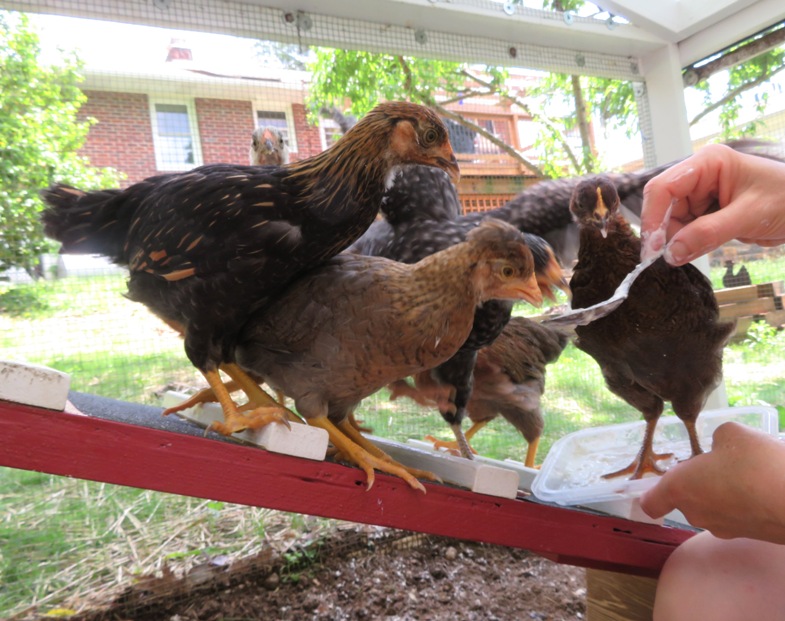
(193, 126)
(324, 123)
(265, 106)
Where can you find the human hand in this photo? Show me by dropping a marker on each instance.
(718, 194)
(736, 490)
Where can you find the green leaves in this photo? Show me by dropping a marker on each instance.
(40, 135)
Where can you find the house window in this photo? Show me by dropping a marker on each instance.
(174, 135)
(277, 119)
(330, 131)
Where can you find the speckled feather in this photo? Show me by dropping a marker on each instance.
(420, 218)
(509, 377)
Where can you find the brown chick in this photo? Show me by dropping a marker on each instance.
(665, 341)
(346, 329)
(268, 147)
(509, 379)
(208, 247)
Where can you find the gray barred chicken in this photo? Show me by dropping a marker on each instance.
(509, 380)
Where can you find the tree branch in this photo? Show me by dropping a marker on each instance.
(731, 95)
(549, 125)
(758, 46)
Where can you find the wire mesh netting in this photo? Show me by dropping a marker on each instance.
(189, 97)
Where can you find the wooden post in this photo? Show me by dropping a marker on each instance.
(612, 596)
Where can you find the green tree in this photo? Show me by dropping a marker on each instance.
(566, 139)
(40, 136)
(362, 79)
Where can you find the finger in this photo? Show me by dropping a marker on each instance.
(657, 501)
(694, 183)
(702, 236)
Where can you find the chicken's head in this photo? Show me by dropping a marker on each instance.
(594, 201)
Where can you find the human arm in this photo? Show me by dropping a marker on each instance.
(720, 195)
(736, 490)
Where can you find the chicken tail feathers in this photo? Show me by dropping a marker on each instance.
(86, 222)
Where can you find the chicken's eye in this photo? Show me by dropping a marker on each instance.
(429, 137)
(508, 271)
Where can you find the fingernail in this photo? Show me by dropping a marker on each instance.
(676, 253)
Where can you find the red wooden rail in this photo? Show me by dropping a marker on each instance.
(98, 449)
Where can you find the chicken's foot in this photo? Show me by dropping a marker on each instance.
(260, 410)
(646, 460)
(355, 436)
(452, 446)
(358, 455)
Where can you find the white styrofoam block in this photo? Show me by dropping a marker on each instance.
(628, 508)
(525, 475)
(299, 441)
(495, 481)
(34, 385)
(470, 474)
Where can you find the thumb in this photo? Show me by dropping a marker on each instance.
(657, 502)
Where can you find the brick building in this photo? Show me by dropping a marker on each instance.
(178, 114)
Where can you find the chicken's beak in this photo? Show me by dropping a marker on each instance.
(552, 276)
(529, 290)
(601, 212)
(445, 159)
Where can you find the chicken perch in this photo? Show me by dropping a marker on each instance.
(509, 379)
(346, 329)
(664, 342)
(208, 247)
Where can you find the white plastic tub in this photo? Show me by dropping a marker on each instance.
(572, 471)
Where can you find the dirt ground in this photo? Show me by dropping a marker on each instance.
(386, 575)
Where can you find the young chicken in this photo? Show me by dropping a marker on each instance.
(420, 217)
(208, 247)
(268, 148)
(509, 379)
(346, 329)
(664, 342)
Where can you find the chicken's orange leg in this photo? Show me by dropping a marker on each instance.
(263, 408)
(531, 453)
(355, 436)
(358, 424)
(264, 404)
(358, 455)
(452, 446)
(646, 460)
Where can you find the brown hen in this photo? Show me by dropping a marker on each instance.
(346, 329)
(509, 380)
(665, 341)
(208, 247)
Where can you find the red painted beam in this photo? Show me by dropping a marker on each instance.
(105, 450)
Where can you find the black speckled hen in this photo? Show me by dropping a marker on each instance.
(208, 247)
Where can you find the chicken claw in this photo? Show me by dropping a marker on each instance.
(343, 438)
(261, 409)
